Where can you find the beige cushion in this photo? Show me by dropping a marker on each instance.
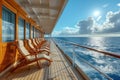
(39, 56)
(43, 56)
(25, 52)
(34, 42)
(30, 44)
(23, 49)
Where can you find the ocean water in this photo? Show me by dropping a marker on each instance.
(106, 64)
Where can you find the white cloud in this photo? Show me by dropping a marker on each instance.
(85, 25)
(70, 30)
(56, 33)
(67, 31)
(91, 26)
(118, 4)
(112, 23)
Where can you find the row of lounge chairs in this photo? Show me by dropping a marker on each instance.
(33, 50)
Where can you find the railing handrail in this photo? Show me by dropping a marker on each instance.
(77, 45)
(92, 49)
(105, 75)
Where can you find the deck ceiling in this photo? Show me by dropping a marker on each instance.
(44, 12)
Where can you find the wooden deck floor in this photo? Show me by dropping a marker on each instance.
(60, 69)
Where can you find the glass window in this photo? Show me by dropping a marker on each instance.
(8, 25)
(37, 33)
(27, 30)
(21, 28)
(32, 32)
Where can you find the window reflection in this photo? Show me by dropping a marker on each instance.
(8, 25)
(32, 32)
(21, 28)
(27, 30)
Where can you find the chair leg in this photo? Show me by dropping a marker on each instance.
(38, 64)
(49, 62)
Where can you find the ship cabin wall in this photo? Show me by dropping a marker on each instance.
(15, 24)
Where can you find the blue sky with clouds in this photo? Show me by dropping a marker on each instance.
(89, 17)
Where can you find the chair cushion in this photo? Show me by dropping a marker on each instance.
(34, 42)
(30, 44)
(43, 56)
(23, 50)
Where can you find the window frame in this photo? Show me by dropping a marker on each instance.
(19, 28)
(27, 30)
(6, 18)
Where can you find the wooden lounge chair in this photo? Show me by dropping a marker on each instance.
(40, 45)
(28, 57)
(40, 41)
(31, 47)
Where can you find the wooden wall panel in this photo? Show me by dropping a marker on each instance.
(0, 33)
(16, 27)
(30, 31)
(8, 55)
(25, 30)
(9, 6)
(7, 50)
(16, 6)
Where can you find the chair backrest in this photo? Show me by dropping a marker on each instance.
(23, 50)
(30, 44)
(34, 42)
(37, 41)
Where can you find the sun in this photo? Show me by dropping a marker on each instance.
(96, 13)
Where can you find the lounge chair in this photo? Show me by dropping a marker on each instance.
(39, 45)
(31, 47)
(43, 43)
(28, 57)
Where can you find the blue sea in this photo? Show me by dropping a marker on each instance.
(106, 64)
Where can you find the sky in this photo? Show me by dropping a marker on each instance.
(89, 17)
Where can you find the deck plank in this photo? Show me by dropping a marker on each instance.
(59, 69)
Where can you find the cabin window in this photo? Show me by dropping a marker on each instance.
(8, 25)
(21, 28)
(32, 32)
(27, 30)
(39, 34)
(35, 33)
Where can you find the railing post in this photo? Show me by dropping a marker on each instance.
(74, 56)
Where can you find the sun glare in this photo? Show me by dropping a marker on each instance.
(96, 13)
